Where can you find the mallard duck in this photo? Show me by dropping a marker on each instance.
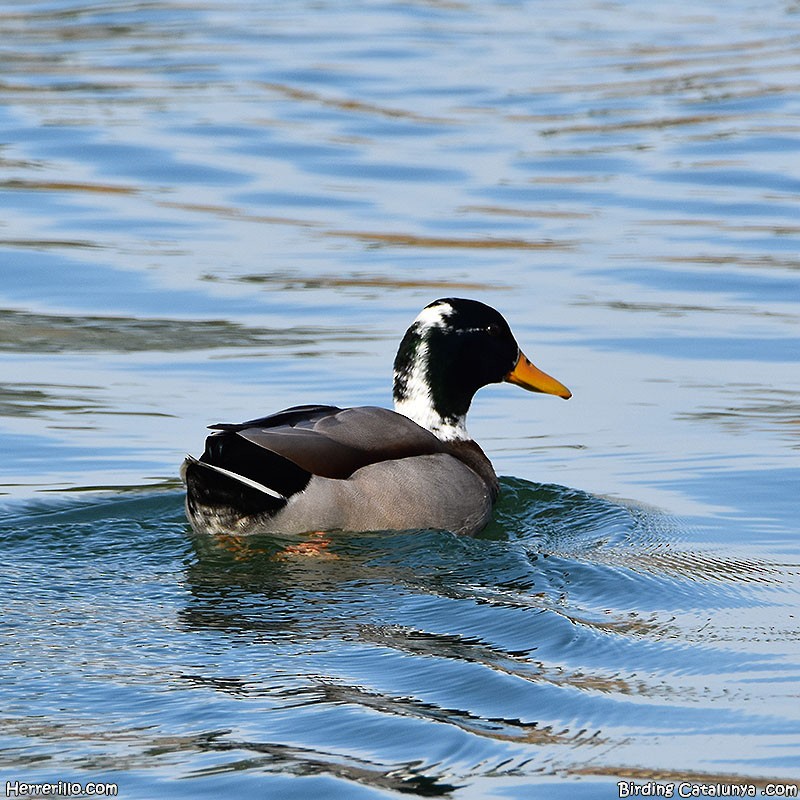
(323, 468)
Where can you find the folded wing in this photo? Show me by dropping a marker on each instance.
(282, 452)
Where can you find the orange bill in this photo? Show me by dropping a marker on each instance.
(532, 378)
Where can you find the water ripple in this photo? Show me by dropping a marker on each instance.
(533, 636)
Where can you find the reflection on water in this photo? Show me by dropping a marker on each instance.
(212, 212)
(25, 332)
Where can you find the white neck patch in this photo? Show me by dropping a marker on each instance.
(418, 403)
(424, 415)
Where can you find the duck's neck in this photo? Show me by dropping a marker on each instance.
(425, 395)
(421, 410)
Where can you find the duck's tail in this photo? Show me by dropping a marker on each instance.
(235, 482)
(219, 500)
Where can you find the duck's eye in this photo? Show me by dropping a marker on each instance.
(493, 330)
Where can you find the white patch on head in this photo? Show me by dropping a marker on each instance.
(417, 403)
(435, 316)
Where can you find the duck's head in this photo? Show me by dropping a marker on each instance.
(452, 349)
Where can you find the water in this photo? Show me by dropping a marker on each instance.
(211, 211)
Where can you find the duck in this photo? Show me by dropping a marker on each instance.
(322, 468)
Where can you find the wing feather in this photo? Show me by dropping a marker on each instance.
(335, 443)
(283, 450)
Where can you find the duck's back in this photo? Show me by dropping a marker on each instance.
(324, 468)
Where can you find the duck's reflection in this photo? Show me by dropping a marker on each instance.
(295, 597)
